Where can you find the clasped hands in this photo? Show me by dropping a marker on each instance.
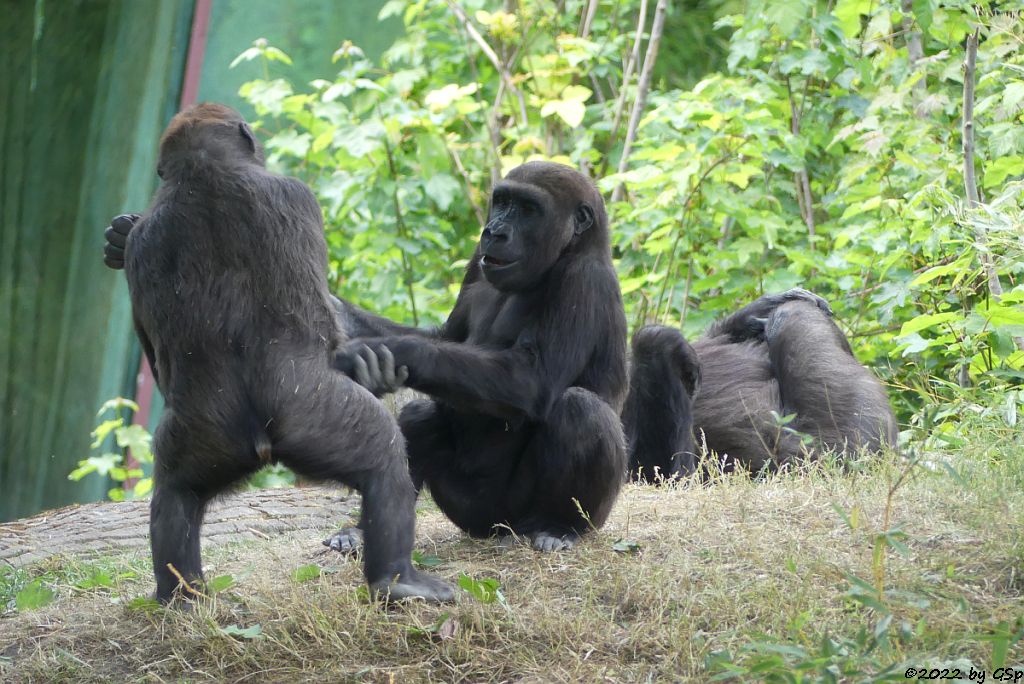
(371, 363)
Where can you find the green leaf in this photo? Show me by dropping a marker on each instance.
(220, 583)
(483, 590)
(306, 573)
(33, 595)
(276, 55)
(247, 55)
(848, 13)
(1002, 168)
(939, 271)
(254, 632)
(143, 604)
(1013, 95)
(104, 429)
(569, 111)
(424, 560)
(625, 546)
(95, 580)
(443, 189)
(926, 321)
(266, 96)
(136, 438)
(117, 403)
(923, 13)
(143, 487)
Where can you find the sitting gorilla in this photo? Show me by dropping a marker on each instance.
(527, 375)
(521, 432)
(780, 356)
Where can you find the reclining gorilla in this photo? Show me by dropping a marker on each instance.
(521, 432)
(778, 356)
(242, 346)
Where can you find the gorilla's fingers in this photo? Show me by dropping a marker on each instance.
(121, 225)
(388, 371)
(362, 373)
(801, 293)
(373, 365)
(113, 256)
(401, 376)
(114, 237)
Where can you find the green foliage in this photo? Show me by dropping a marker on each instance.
(818, 154)
(33, 595)
(119, 466)
(486, 590)
(254, 632)
(135, 443)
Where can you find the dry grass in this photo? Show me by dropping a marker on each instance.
(719, 567)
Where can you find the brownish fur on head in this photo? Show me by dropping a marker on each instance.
(207, 131)
(568, 185)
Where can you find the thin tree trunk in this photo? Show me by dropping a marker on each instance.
(643, 87)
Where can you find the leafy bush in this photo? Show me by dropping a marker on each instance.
(823, 155)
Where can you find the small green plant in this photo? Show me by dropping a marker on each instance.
(126, 465)
(487, 590)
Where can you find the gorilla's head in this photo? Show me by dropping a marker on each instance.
(539, 213)
(206, 135)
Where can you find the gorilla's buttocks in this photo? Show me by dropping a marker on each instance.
(242, 346)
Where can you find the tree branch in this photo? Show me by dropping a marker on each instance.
(491, 55)
(627, 73)
(643, 86)
(970, 180)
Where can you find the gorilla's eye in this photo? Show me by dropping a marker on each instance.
(160, 172)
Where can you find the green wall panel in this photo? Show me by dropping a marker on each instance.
(87, 86)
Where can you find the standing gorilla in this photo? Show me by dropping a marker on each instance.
(779, 356)
(527, 375)
(242, 345)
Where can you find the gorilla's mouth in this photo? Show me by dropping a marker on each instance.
(494, 262)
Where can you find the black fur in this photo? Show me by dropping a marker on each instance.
(527, 375)
(229, 294)
(781, 354)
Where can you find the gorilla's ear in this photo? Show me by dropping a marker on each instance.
(247, 133)
(583, 219)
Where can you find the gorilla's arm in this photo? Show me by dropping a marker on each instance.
(358, 322)
(748, 323)
(522, 381)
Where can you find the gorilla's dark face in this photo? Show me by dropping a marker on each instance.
(536, 212)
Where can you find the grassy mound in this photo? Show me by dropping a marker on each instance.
(826, 575)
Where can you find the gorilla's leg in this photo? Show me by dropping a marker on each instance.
(342, 433)
(178, 505)
(571, 471)
(658, 414)
(428, 438)
(470, 479)
(837, 400)
(175, 519)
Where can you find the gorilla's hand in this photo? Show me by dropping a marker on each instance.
(749, 322)
(371, 364)
(117, 235)
(806, 295)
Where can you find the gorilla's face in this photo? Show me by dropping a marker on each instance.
(529, 226)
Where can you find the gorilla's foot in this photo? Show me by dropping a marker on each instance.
(412, 585)
(347, 541)
(546, 541)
